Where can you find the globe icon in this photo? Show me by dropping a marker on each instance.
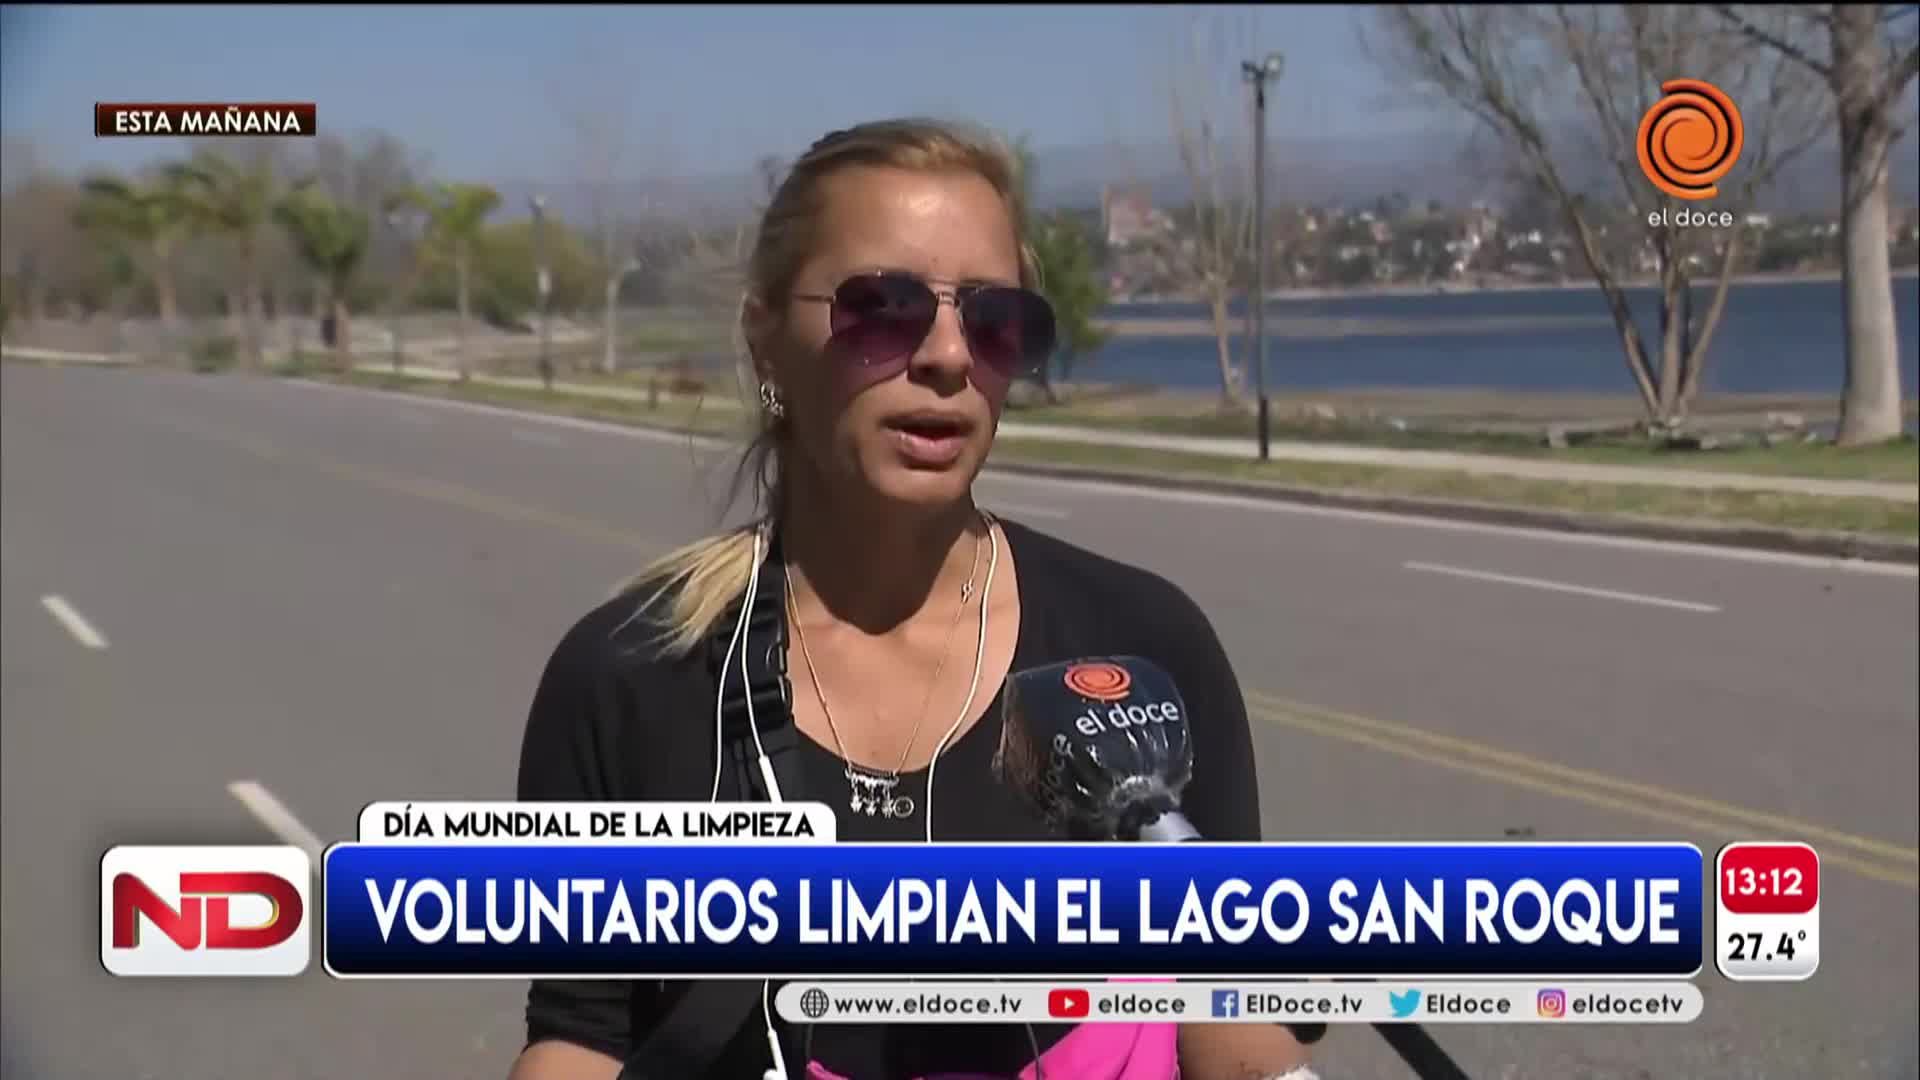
(814, 1003)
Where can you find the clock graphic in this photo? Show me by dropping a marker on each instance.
(1767, 914)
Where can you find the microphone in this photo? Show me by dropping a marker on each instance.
(1098, 747)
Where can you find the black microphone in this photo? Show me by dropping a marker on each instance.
(1099, 748)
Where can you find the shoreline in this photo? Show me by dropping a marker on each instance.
(1331, 292)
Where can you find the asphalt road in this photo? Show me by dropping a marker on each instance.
(347, 597)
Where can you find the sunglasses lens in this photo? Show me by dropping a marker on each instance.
(1009, 330)
(879, 321)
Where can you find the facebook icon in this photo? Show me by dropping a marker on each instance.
(1226, 1003)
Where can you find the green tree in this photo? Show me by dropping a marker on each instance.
(456, 213)
(1074, 286)
(332, 240)
(502, 279)
(234, 200)
(1069, 279)
(149, 218)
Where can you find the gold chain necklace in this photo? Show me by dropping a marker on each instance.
(875, 792)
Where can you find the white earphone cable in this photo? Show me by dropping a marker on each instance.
(719, 697)
(761, 545)
(979, 655)
(979, 658)
(753, 723)
(779, 1069)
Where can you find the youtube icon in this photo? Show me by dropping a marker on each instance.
(1068, 1004)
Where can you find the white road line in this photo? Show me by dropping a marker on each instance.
(76, 624)
(1208, 498)
(1561, 586)
(541, 438)
(277, 818)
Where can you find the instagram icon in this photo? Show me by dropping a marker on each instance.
(1553, 1004)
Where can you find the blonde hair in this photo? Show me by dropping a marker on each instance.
(699, 581)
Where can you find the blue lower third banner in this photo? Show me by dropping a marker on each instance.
(963, 910)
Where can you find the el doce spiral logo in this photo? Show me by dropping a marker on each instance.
(1690, 139)
(1101, 682)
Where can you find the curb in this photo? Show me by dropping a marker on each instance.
(1836, 545)
(59, 357)
(1833, 545)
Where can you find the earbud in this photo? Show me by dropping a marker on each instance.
(779, 1070)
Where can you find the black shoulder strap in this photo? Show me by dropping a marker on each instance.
(708, 1015)
(766, 686)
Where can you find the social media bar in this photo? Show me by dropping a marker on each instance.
(1248, 1003)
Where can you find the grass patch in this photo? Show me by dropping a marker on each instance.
(674, 414)
(1866, 516)
(210, 356)
(1782, 509)
(671, 339)
(1894, 461)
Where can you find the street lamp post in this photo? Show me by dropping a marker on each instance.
(615, 281)
(396, 221)
(1260, 73)
(545, 282)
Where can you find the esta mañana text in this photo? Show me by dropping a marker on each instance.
(659, 911)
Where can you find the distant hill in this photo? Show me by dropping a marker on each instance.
(1354, 171)
(1330, 170)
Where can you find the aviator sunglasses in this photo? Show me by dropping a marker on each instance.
(879, 320)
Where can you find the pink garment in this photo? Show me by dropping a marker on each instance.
(1089, 1052)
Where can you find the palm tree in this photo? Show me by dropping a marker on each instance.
(455, 214)
(332, 240)
(235, 200)
(149, 217)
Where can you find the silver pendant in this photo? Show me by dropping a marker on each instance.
(875, 794)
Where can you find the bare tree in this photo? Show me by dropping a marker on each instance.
(771, 168)
(36, 224)
(612, 160)
(1867, 71)
(1204, 97)
(712, 271)
(1564, 89)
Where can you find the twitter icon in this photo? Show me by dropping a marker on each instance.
(1404, 1003)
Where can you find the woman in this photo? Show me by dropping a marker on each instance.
(889, 306)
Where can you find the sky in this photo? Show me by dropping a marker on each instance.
(484, 91)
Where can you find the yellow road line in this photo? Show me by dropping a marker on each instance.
(1464, 755)
(483, 502)
(1757, 819)
(433, 490)
(1557, 788)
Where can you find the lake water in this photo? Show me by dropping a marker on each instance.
(1774, 337)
